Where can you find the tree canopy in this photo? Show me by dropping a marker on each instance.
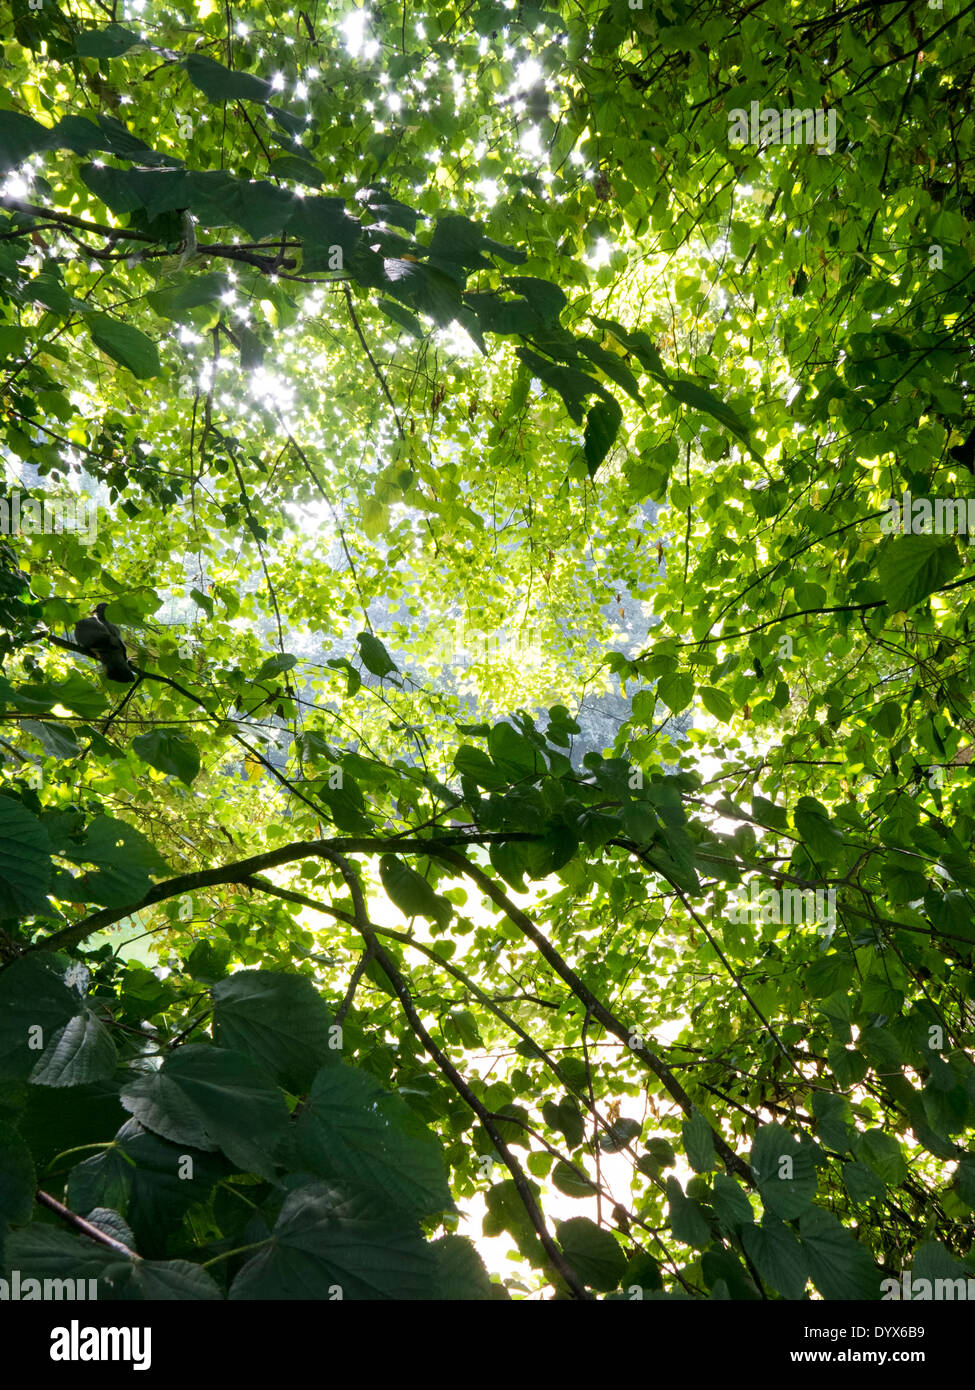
(405, 382)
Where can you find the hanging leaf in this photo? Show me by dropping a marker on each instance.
(222, 84)
(602, 425)
(375, 657)
(110, 42)
(170, 752)
(411, 893)
(126, 345)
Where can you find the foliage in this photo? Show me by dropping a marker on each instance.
(369, 335)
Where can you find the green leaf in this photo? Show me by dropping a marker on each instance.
(353, 679)
(572, 385)
(690, 394)
(884, 1155)
(847, 1065)
(462, 1024)
(912, 567)
(698, 1142)
(49, 291)
(139, 1175)
(767, 813)
(82, 1051)
(676, 690)
(777, 1255)
(423, 288)
(460, 1272)
(571, 1182)
(546, 299)
(385, 208)
(716, 702)
(661, 1151)
(402, 316)
(289, 166)
(12, 341)
(48, 1034)
(222, 84)
(565, 1117)
(328, 234)
(220, 200)
(351, 1131)
(326, 1245)
(834, 1126)
(612, 366)
(459, 246)
(730, 1203)
(20, 137)
(933, 1261)
(25, 861)
(687, 1220)
(173, 302)
(593, 1253)
(620, 1133)
(56, 741)
(109, 42)
(862, 1182)
(411, 893)
(125, 344)
(212, 1099)
(512, 753)
(39, 1252)
(784, 1171)
(276, 665)
(723, 1265)
(829, 973)
(602, 424)
(813, 823)
(503, 316)
(169, 752)
(886, 719)
(118, 139)
(839, 1266)
(637, 342)
(278, 1020)
(965, 1181)
(375, 657)
(208, 961)
(642, 1272)
(251, 347)
(163, 1281)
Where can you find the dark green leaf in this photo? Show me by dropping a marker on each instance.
(411, 893)
(222, 84)
(278, 1020)
(109, 42)
(125, 345)
(170, 752)
(212, 1099)
(593, 1253)
(375, 657)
